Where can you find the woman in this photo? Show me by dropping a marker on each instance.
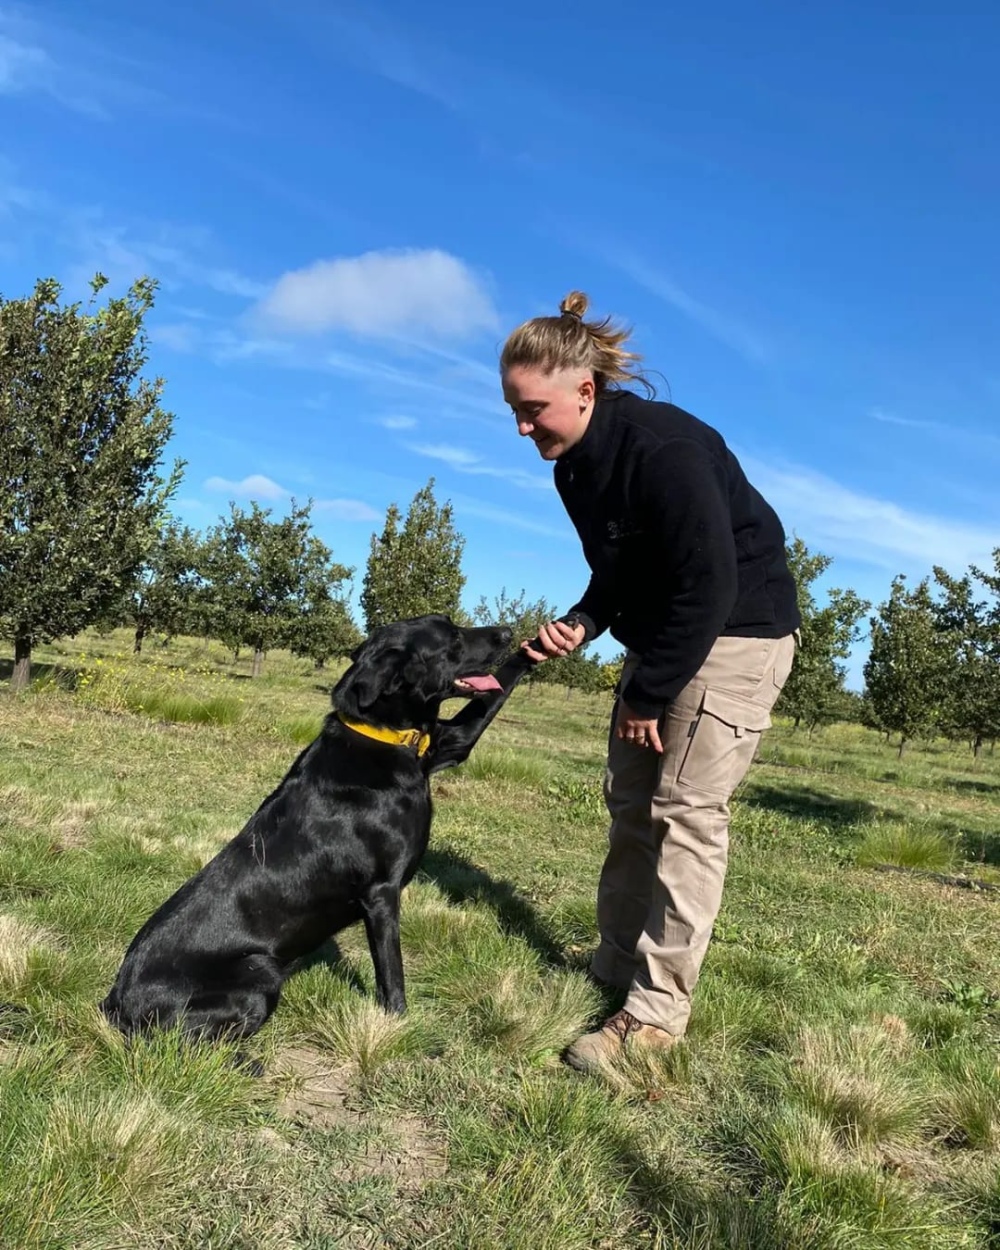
(688, 572)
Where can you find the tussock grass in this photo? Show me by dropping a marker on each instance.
(490, 763)
(837, 1087)
(908, 846)
(359, 1032)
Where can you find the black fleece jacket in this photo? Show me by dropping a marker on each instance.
(682, 549)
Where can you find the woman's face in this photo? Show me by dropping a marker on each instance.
(552, 409)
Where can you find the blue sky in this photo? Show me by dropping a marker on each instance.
(349, 207)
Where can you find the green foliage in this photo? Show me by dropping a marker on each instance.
(162, 595)
(415, 568)
(814, 692)
(83, 434)
(908, 671)
(521, 616)
(266, 576)
(972, 710)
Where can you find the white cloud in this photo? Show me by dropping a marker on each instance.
(348, 510)
(467, 462)
(256, 486)
(845, 523)
(382, 295)
(397, 423)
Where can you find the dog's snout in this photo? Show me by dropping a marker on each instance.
(506, 633)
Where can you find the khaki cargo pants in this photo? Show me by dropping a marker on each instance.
(661, 885)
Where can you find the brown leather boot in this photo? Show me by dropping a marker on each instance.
(621, 1031)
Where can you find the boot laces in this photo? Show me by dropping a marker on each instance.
(623, 1024)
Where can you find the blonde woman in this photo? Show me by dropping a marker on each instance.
(688, 572)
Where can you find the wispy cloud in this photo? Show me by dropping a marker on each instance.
(397, 423)
(179, 256)
(846, 523)
(468, 462)
(256, 486)
(347, 510)
(382, 295)
(27, 68)
(464, 505)
(943, 428)
(722, 326)
(890, 418)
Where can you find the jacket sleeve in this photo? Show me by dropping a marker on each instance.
(593, 610)
(682, 499)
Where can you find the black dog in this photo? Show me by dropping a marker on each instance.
(335, 843)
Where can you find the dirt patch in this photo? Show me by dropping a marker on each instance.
(405, 1148)
(71, 826)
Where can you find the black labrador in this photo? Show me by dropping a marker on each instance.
(335, 843)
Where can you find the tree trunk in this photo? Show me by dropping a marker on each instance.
(258, 661)
(798, 722)
(902, 743)
(320, 665)
(977, 746)
(21, 675)
(140, 633)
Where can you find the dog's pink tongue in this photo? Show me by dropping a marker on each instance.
(482, 684)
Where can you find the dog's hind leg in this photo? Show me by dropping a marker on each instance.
(238, 1004)
(380, 908)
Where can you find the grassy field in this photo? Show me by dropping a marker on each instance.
(839, 1087)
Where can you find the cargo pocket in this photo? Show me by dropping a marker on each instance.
(722, 740)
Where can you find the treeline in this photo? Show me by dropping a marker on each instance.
(87, 539)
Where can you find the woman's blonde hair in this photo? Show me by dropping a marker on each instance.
(570, 342)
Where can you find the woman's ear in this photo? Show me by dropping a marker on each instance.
(586, 392)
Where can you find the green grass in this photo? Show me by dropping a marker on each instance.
(838, 1088)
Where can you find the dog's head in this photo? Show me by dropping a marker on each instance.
(402, 672)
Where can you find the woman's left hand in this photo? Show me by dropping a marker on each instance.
(631, 727)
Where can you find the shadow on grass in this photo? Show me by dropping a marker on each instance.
(980, 848)
(702, 1215)
(41, 670)
(461, 882)
(963, 785)
(329, 955)
(806, 803)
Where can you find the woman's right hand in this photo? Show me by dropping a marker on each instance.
(557, 639)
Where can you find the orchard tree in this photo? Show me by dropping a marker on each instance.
(815, 687)
(162, 595)
(261, 574)
(522, 617)
(972, 625)
(82, 435)
(324, 628)
(414, 567)
(908, 671)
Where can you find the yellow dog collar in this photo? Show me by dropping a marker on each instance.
(397, 737)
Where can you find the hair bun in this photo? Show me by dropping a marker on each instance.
(574, 305)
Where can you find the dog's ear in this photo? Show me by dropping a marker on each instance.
(375, 672)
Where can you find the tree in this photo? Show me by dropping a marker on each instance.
(324, 628)
(262, 573)
(162, 595)
(815, 687)
(82, 434)
(972, 709)
(910, 665)
(414, 569)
